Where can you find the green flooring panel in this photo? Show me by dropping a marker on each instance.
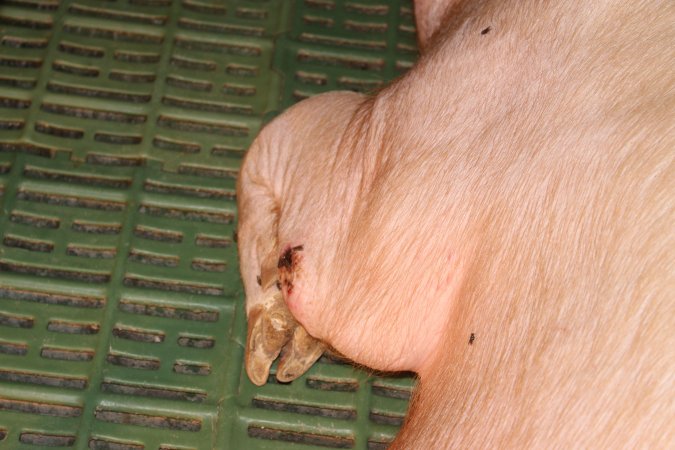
(122, 127)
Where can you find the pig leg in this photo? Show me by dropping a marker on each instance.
(271, 328)
(283, 204)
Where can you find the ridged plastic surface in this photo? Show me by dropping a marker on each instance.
(122, 127)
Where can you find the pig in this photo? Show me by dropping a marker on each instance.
(499, 220)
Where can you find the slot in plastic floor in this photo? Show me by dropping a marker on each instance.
(122, 127)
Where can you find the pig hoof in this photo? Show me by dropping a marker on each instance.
(273, 330)
(270, 327)
(298, 355)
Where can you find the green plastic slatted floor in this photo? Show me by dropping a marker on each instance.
(122, 126)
